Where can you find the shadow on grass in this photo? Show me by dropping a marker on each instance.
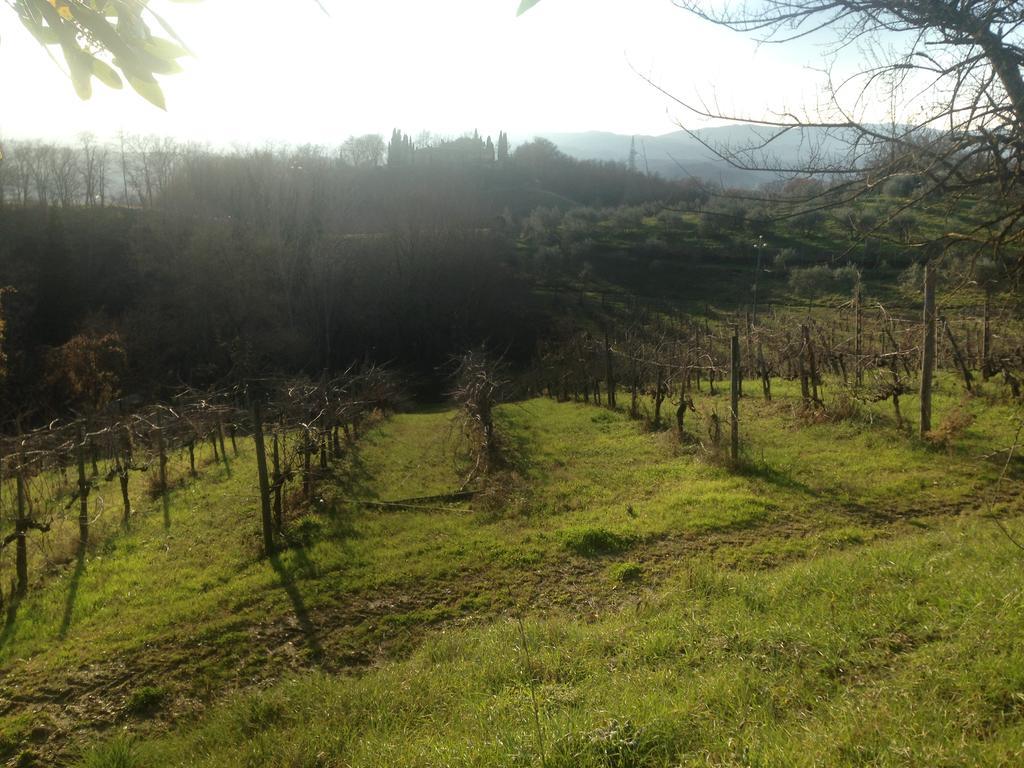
(780, 478)
(298, 605)
(350, 475)
(9, 622)
(69, 601)
(514, 446)
(165, 500)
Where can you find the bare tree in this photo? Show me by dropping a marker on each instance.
(368, 150)
(953, 70)
(94, 170)
(40, 169)
(65, 174)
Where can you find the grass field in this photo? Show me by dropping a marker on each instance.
(615, 598)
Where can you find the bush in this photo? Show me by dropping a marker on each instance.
(586, 215)
(784, 259)
(542, 224)
(903, 226)
(628, 217)
(669, 220)
(811, 282)
(902, 185)
(809, 222)
(912, 278)
(759, 220)
(575, 230)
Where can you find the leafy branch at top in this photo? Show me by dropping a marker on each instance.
(106, 39)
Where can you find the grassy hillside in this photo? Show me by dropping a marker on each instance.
(616, 598)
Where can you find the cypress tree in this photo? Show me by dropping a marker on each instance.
(502, 147)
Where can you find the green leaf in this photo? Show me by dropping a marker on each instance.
(147, 89)
(164, 49)
(80, 68)
(526, 5)
(44, 34)
(106, 74)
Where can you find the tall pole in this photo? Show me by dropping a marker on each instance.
(264, 480)
(735, 401)
(928, 349)
(83, 491)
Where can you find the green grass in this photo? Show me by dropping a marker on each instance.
(907, 654)
(821, 604)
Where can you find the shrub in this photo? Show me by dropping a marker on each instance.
(912, 278)
(902, 185)
(541, 225)
(669, 220)
(574, 231)
(809, 222)
(810, 282)
(784, 259)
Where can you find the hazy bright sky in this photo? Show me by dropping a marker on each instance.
(267, 70)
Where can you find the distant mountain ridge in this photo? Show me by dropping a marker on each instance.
(679, 155)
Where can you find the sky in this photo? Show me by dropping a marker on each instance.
(283, 71)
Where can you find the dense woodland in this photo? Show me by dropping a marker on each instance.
(203, 265)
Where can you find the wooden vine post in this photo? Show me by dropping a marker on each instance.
(928, 349)
(122, 467)
(734, 420)
(83, 491)
(278, 482)
(22, 525)
(986, 338)
(220, 438)
(307, 481)
(264, 480)
(858, 348)
(608, 373)
(958, 357)
(162, 452)
(21, 529)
